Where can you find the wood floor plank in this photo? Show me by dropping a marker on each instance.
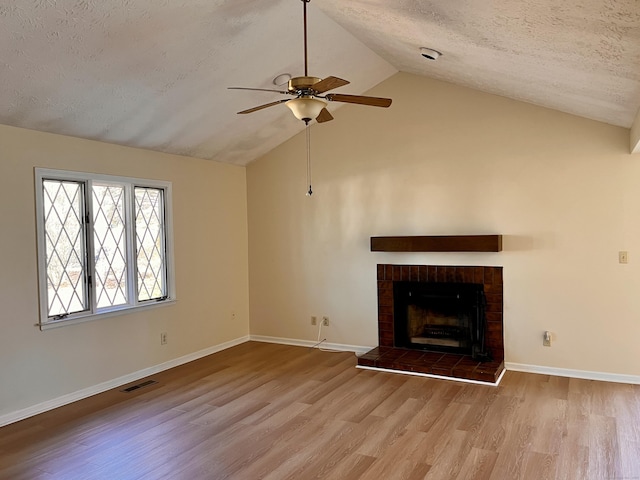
(627, 406)
(551, 428)
(490, 432)
(452, 457)
(440, 434)
(573, 462)
(389, 429)
(368, 400)
(396, 469)
(478, 465)
(350, 467)
(428, 414)
(289, 455)
(541, 466)
(603, 448)
(264, 411)
(317, 458)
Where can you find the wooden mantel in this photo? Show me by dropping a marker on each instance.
(438, 243)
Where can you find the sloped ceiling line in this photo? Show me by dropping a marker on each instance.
(154, 73)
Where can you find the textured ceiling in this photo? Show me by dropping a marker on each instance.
(153, 73)
(577, 56)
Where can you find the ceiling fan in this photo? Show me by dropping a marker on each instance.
(311, 99)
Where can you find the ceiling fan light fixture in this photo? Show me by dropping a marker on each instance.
(306, 108)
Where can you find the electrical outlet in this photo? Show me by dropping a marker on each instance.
(623, 257)
(314, 321)
(546, 339)
(163, 338)
(325, 321)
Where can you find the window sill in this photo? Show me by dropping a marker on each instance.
(98, 316)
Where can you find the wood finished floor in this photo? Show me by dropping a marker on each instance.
(280, 412)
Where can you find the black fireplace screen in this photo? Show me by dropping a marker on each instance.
(442, 317)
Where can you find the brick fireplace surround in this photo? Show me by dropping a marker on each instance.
(386, 356)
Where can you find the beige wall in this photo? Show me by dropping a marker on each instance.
(444, 160)
(210, 235)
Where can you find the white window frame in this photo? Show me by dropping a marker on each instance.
(93, 312)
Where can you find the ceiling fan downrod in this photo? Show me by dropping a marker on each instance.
(304, 14)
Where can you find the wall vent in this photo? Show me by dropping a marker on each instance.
(139, 385)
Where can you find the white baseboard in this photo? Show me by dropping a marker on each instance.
(358, 349)
(517, 367)
(438, 377)
(13, 417)
(566, 372)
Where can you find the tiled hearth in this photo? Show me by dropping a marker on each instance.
(387, 356)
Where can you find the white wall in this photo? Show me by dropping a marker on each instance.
(210, 235)
(444, 160)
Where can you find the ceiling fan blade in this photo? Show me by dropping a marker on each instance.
(258, 89)
(329, 83)
(266, 105)
(324, 116)
(359, 99)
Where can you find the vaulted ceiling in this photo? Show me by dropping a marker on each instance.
(154, 73)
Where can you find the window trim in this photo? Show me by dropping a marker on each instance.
(45, 322)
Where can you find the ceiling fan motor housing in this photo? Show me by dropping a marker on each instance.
(302, 83)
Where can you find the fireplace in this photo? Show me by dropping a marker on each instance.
(440, 319)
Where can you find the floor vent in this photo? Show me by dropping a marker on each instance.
(140, 385)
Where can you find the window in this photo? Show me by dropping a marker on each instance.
(104, 245)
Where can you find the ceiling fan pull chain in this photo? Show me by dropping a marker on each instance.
(308, 131)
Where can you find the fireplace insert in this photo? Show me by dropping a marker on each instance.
(442, 317)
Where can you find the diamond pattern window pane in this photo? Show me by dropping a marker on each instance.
(64, 247)
(150, 251)
(109, 245)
